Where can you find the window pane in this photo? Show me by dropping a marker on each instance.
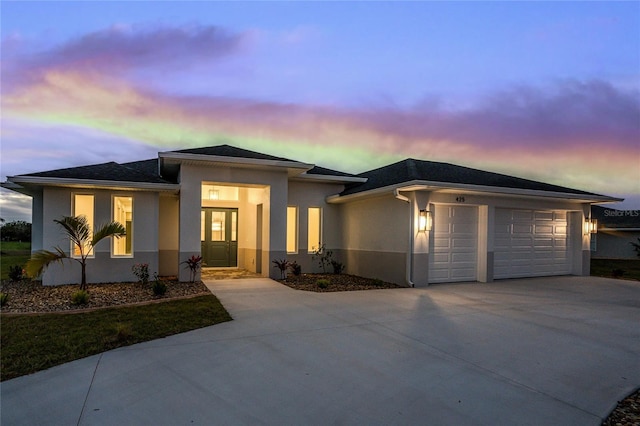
(234, 226)
(292, 229)
(217, 226)
(202, 225)
(83, 206)
(123, 213)
(314, 240)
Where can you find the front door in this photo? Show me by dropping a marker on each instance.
(219, 235)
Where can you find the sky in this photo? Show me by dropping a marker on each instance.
(548, 91)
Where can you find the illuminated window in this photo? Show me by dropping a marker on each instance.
(123, 213)
(292, 229)
(314, 230)
(83, 206)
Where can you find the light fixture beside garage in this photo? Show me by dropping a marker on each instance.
(590, 226)
(424, 221)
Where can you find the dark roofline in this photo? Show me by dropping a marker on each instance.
(412, 170)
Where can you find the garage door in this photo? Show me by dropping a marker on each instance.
(455, 251)
(530, 243)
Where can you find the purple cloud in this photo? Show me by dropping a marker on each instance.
(121, 48)
(570, 113)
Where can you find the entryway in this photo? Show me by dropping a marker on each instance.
(219, 237)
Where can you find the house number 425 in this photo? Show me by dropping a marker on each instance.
(459, 199)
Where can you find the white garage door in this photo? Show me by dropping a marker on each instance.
(455, 251)
(530, 243)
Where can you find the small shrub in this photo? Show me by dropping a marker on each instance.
(193, 263)
(618, 273)
(338, 267)
(295, 267)
(141, 271)
(636, 246)
(324, 257)
(159, 287)
(4, 298)
(16, 273)
(281, 264)
(80, 297)
(123, 332)
(322, 283)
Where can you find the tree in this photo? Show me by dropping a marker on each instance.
(77, 230)
(17, 230)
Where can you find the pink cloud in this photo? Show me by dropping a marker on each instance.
(121, 48)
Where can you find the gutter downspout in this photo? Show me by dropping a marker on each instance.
(396, 193)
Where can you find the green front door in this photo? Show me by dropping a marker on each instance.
(219, 235)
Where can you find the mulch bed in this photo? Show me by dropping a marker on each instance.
(323, 283)
(31, 296)
(627, 413)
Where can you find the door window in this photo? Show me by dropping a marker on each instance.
(218, 225)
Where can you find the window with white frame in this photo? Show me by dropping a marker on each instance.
(123, 213)
(292, 229)
(83, 206)
(314, 229)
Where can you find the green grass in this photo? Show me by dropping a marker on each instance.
(13, 253)
(32, 343)
(605, 268)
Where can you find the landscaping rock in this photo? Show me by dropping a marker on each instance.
(31, 296)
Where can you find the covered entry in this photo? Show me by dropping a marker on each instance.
(219, 237)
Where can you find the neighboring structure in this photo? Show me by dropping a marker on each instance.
(616, 230)
(413, 222)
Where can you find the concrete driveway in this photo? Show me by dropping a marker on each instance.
(535, 351)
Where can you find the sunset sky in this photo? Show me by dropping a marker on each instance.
(543, 90)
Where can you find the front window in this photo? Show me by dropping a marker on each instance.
(123, 213)
(314, 230)
(83, 206)
(292, 229)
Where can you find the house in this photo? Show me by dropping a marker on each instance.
(413, 222)
(616, 230)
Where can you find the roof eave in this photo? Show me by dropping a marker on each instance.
(418, 185)
(24, 181)
(329, 178)
(293, 167)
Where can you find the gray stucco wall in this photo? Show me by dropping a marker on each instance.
(57, 202)
(611, 244)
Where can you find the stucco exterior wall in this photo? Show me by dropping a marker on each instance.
(375, 238)
(57, 202)
(613, 244)
(168, 232)
(304, 195)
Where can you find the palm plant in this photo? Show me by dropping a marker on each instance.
(78, 231)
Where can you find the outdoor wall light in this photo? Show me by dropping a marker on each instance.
(424, 221)
(590, 226)
(214, 194)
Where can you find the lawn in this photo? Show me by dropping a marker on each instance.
(32, 343)
(630, 268)
(13, 253)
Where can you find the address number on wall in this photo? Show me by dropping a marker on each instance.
(459, 199)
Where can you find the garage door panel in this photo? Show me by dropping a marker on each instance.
(536, 245)
(454, 256)
(542, 215)
(521, 215)
(543, 229)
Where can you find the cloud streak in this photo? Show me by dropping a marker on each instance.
(122, 48)
(571, 132)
